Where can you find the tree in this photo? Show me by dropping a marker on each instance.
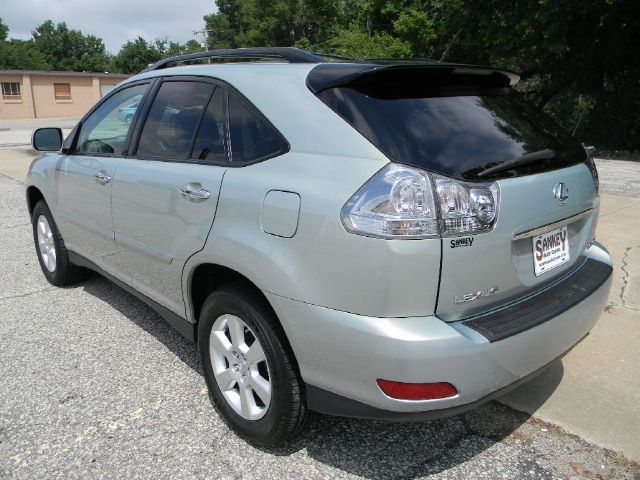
(416, 28)
(19, 54)
(135, 55)
(66, 49)
(353, 43)
(4, 31)
(167, 48)
(566, 52)
(246, 23)
(219, 35)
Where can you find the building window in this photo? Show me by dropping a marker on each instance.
(62, 91)
(11, 91)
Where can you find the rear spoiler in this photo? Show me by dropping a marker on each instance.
(402, 81)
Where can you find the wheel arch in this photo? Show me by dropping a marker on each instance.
(34, 195)
(207, 277)
(204, 278)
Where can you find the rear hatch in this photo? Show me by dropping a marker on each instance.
(468, 124)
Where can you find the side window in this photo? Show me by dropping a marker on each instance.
(210, 144)
(174, 116)
(105, 130)
(252, 137)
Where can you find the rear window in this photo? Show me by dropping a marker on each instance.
(468, 137)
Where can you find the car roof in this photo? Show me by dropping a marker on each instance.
(230, 72)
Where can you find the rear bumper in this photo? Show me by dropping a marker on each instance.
(341, 355)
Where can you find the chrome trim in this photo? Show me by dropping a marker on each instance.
(102, 178)
(194, 193)
(561, 193)
(551, 226)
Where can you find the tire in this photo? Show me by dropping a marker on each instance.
(242, 404)
(50, 248)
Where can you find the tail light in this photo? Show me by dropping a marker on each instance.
(405, 202)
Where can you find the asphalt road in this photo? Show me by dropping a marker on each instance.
(95, 385)
(619, 177)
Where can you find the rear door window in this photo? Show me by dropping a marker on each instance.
(171, 125)
(210, 145)
(253, 138)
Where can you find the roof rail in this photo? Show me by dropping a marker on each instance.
(289, 54)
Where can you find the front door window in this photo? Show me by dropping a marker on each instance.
(105, 130)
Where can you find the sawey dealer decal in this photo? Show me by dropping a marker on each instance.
(550, 250)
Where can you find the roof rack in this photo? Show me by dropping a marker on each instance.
(399, 61)
(288, 54)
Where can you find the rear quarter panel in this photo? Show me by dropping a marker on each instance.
(322, 263)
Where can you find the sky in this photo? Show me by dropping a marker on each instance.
(115, 21)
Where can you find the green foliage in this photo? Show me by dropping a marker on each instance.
(21, 55)
(66, 49)
(416, 28)
(57, 47)
(4, 31)
(352, 43)
(136, 55)
(567, 52)
(166, 48)
(242, 23)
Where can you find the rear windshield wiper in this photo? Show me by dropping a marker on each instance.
(519, 161)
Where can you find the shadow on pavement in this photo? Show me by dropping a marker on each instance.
(360, 447)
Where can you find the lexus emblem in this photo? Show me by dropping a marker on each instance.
(561, 193)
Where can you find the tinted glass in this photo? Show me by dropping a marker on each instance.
(106, 129)
(459, 136)
(252, 137)
(210, 144)
(173, 119)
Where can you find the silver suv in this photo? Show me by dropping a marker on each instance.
(372, 239)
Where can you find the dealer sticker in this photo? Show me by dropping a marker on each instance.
(550, 250)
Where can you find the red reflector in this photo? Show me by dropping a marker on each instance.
(417, 391)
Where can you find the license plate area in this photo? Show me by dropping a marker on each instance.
(550, 250)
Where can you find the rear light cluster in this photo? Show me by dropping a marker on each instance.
(405, 202)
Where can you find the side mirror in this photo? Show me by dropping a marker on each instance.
(47, 139)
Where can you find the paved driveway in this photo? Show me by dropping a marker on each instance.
(95, 385)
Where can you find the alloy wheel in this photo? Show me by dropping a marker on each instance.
(46, 244)
(240, 367)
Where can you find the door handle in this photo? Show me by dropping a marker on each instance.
(102, 178)
(194, 193)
